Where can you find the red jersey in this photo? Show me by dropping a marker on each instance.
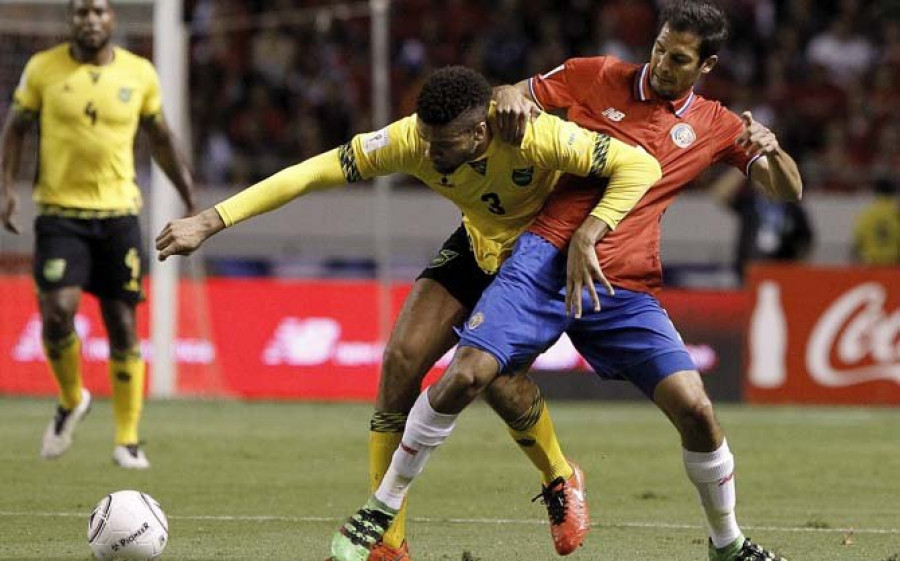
(686, 136)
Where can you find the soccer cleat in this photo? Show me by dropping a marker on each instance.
(130, 456)
(58, 435)
(568, 511)
(742, 549)
(355, 540)
(383, 552)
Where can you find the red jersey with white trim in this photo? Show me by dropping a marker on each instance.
(686, 136)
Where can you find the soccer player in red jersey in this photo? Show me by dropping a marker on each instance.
(626, 334)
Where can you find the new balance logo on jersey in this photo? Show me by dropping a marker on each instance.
(613, 114)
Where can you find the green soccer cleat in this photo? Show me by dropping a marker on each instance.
(742, 549)
(354, 540)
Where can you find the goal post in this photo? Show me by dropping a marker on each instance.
(169, 56)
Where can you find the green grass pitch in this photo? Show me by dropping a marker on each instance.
(271, 481)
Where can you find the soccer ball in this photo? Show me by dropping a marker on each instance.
(127, 526)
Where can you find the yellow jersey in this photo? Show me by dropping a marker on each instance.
(88, 117)
(500, 193)
(877, 232)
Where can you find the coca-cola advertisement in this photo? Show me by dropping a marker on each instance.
(824, 335)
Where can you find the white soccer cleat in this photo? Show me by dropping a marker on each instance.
(58, 435)
(130, 456)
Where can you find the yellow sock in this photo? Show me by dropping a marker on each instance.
(127, 374)
(65, 361)
(386, 430)
(535, 435)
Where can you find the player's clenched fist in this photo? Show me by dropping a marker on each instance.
(182, 237)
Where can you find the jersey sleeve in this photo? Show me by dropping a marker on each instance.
(552, 143)
(392, 149)
(28, 93)
(562, 87)
(728, 127)
(152, 103)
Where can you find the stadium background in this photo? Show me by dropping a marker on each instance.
(270, 83)
(286, 307)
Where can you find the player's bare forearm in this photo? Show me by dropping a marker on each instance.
(786, 183)
(777, 172)
(11, 141)
(171, 161)
(182, 237)
(591, 231)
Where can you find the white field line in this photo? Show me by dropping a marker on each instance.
(478, 521)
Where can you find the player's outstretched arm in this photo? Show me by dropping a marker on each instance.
(182, 237)
(170, 159)
(12, 138)
(777, 172)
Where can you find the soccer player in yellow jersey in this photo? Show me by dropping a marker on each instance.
(88, 98)
(450, 145)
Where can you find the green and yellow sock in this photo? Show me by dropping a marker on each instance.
(535, 435)
(64, 357)
(127, 370)
(385, 432)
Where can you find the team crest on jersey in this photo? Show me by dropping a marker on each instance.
(480, 166)
(523, 176)
(476, 320)
(443, 257)
(683, 135)
(125, 94)
(54, 269)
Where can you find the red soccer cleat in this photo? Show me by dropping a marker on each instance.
(568, 511)
(383, 552)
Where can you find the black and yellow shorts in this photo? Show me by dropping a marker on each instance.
(101, 255)
(456, 269)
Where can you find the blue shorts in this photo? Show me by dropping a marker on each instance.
(523, 312)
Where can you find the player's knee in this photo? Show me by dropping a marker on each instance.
(697, 418)
(470, 376)
(58, 323)
(401, 363)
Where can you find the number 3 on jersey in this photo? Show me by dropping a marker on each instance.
(494, 203)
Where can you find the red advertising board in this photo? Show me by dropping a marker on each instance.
(824, 335)
(305, 339)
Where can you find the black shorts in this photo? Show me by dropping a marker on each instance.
(456, 269)
(101, 255)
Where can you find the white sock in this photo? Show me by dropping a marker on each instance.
(426, 429)
(713, 475)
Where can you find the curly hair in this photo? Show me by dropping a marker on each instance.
(702, 18)
(450, 92)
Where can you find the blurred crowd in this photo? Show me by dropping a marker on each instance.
(275, 81)
(823, 74)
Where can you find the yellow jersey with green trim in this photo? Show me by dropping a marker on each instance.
(500, 193)
(88, 117)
